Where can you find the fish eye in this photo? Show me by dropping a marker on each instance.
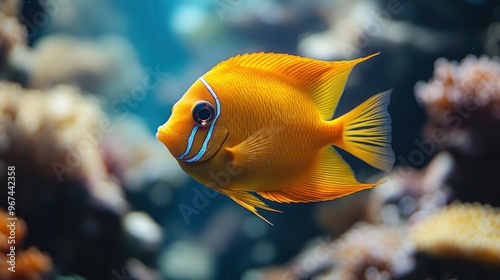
(203, 113)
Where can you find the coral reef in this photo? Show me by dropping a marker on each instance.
(371, 252)
(63, 190)
(409, 194)
(470, 231)
(463, 103)
(69, 183)
(364, 252)
(58, 131)
(471, 86)
(459, 241)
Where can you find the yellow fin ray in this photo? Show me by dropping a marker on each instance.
(252, 151)
(332, 179)
(326, 93)
(248, 201)
(367, 132)
(286, 65)
(323, 81)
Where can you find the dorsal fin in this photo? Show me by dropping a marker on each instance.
(324, 81)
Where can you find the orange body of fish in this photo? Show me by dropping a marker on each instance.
(263, 123)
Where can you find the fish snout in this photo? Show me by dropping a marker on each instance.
(167, 136)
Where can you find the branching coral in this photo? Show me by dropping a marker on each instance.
(470, 231)
(467, 91)
(463, 102)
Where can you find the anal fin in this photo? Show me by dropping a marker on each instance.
(332, 179)
(248, 201)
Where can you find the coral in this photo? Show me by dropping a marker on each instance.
(363, 252)
(70, 202)
(411, 194)
(30, 264)
(56, 134)
(5, 231)
(470, 90)
(371, 252)
(108, 66)
(470, 231)
(463, 102)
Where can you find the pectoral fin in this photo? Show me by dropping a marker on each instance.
(248, 201)
(253, 151)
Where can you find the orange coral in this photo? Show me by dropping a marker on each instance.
(30, 264)
(5, 232)
(470, 231)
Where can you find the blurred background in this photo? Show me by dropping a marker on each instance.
(84, 84)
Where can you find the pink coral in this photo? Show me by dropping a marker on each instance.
(465, 89)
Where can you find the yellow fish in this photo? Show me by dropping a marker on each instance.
(262, 123)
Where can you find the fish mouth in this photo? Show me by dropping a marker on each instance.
(166, 135)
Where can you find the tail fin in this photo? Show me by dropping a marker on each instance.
(367, 132)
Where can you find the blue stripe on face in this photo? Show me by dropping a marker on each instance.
(190, 142)
(204, 146)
